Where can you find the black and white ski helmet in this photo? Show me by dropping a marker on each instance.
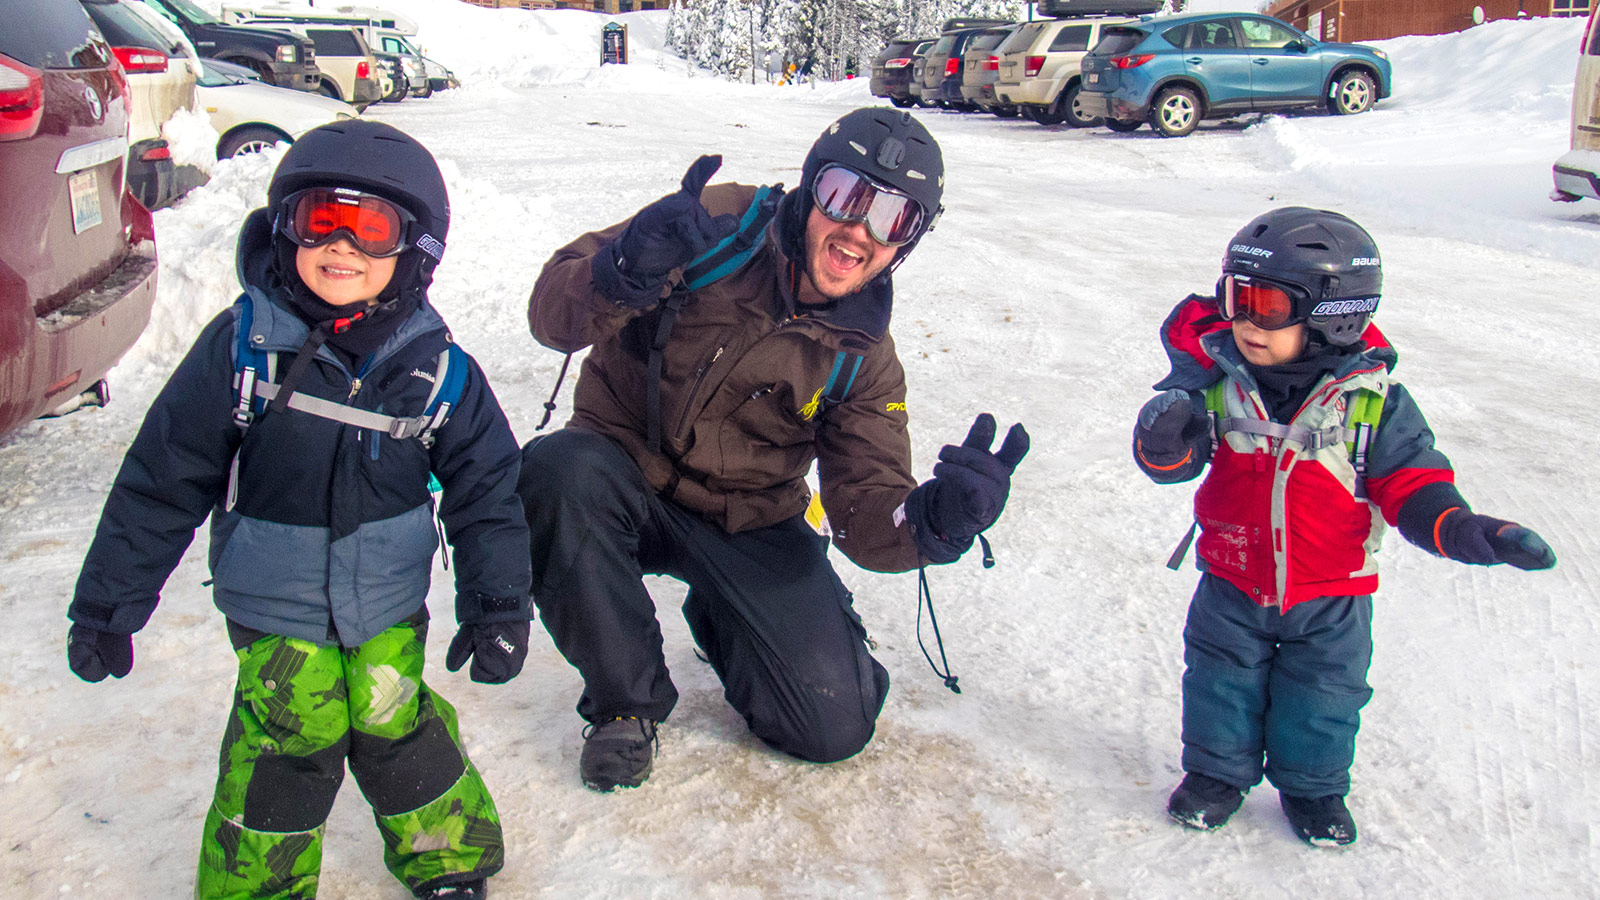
(369, 156)
(888, 146)
(1331, 260)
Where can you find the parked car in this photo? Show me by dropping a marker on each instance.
(1577, 173)
(77, 251)
(279, 57)
(919, 62)
(1039, 68)
(891, 72)
(1174, 71)
(980, 64)
(1079, 8)
(250, 115)
(349, 71)
(384, 32)
(439, 77)
(392, 83)
(941, 74)
(160, 83)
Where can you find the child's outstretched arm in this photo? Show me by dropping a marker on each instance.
(1172, 438)
(170, 479)
(1413, 485)
(477, 460)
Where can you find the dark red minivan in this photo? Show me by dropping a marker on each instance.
(77, 251)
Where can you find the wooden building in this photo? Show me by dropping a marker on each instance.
(1372, 20)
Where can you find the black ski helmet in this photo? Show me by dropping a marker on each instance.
(888, 146)
(375, 157)
(1331, 261)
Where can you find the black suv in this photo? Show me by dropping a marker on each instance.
(279, 57)
(891, 71)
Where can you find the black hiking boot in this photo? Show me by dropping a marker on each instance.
(1319, 821)
(477, 889)
(617, 753)
(1203, 802)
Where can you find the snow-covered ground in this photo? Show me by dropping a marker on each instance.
(1038, 298)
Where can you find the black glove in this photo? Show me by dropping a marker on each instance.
(967, 491)
(93, 654)
(1167, 426)
(661, 237)
(1484, 541)
(497, 650)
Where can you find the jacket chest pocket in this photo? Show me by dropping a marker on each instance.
(767, 437)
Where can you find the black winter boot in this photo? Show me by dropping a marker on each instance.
(1319, 821)
(1204, 802)
(465, 890)
(617, 753)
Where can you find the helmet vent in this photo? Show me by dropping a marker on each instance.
(1313, 245)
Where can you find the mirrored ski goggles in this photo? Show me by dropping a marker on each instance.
(376, 226)
(1266, 304)
(844, 195)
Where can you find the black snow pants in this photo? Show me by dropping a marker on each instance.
(765, 605)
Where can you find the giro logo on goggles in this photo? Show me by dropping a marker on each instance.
(1345, 307)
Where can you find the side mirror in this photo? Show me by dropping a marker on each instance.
(1297, 47)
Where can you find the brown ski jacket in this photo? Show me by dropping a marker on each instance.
(742, 408)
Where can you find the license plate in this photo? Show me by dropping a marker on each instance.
(83, 189)
(1094, 77)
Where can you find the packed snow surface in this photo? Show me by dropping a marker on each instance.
(1037, 299)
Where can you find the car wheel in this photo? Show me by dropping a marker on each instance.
(1072, 113)
(426, 90)
(1123, 125)
(328, 89)
(1031, 113)
(903, 102)
(1176, 112)
(1048, 115)
(1354, 93)
(248, 140)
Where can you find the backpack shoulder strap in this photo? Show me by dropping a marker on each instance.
(726, 257)
(1363, 409)
(730, 254)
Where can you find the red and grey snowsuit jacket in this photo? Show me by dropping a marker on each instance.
(1283, 520)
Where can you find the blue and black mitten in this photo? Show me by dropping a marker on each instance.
(1438, 520)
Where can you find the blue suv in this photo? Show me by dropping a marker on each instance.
(1173, 71)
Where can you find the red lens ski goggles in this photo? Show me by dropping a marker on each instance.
(376, 226)
(844, 195)
(1268, 305)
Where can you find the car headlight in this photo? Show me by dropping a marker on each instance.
(285, 53)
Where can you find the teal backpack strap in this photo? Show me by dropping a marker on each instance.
(846, 366)
(252, 367)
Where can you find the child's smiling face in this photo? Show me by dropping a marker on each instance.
(342, 275)
(1261, 347)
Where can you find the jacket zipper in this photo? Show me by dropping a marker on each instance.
(699, 378)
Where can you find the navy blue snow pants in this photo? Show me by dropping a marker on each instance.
(1283, 688)
(764, 605)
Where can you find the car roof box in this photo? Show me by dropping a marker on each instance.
(1062, 9)
(965, 23)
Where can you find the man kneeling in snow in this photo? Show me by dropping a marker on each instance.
(738, 337)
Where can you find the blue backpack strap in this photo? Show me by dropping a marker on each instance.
(250, 364)
(450, 378)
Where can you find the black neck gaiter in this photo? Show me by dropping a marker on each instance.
(1284, 388)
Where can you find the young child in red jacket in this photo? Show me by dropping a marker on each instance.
(1283, 386)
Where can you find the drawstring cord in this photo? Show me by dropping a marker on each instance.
(550, 405)
(925, 596)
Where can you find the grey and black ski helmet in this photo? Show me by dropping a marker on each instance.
(1330, 264)
(375, 157)
(888, 146)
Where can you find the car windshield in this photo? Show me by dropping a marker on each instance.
(1118, 40)
(190, 11)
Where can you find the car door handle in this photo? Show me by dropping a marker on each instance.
(1194, 60)
(1260, 62)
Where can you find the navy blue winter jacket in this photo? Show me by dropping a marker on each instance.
(332, 535)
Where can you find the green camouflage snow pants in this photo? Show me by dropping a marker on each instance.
(300, 712)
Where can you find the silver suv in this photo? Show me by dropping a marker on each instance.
(1039, 68)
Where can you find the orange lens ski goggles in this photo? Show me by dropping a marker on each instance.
(376, 226)
(1266, 304)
